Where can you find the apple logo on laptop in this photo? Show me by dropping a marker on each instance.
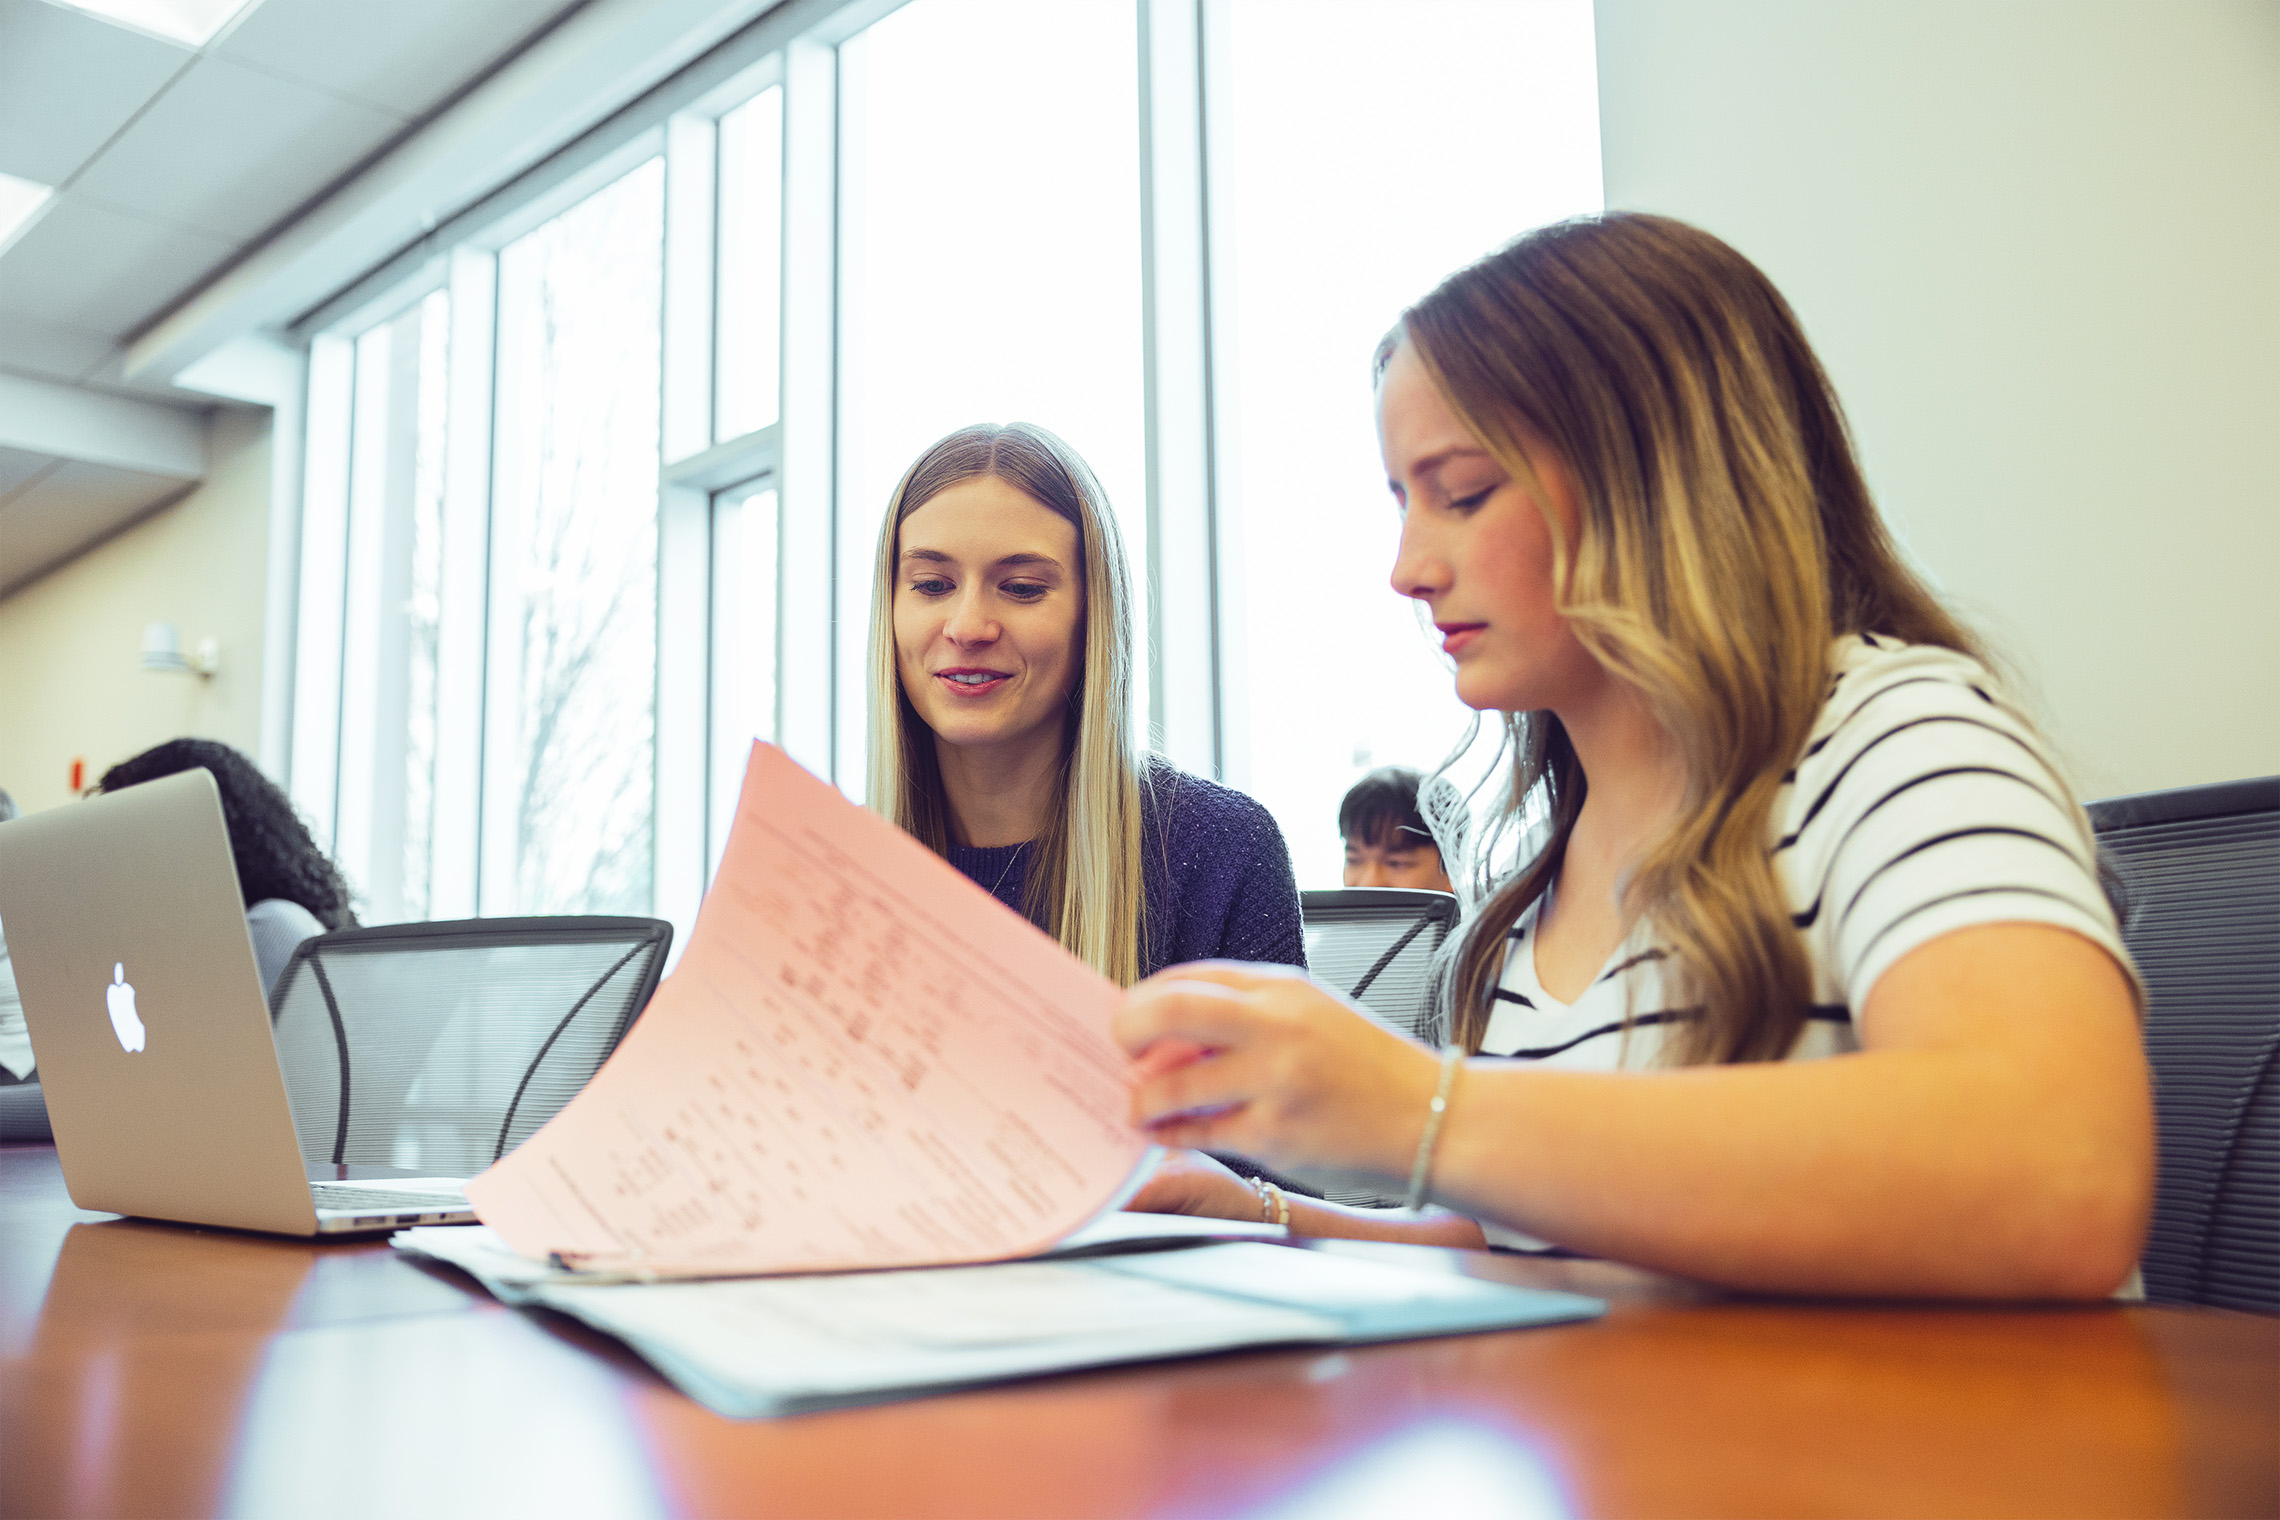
(120, 997)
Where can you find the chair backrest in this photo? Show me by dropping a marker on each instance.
(2200, 869)
(442, 1046)
(23, 1110)
(1376, 945)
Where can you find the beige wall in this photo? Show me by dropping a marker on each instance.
(71, 682)
(2037, 243)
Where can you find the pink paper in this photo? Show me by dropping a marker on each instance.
(863, 1060)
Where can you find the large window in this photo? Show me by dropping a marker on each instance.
(1341, 197)
(595, 474)
(751, 263)
(744, 579)
(990, 253)
(391, 652)
(572, 716)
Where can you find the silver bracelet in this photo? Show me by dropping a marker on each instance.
(1452, 1061)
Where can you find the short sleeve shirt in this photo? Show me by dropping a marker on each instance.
(1923, 803)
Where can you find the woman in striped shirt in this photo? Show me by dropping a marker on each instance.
(1804, 981)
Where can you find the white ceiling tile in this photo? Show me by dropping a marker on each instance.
(17, 466)
(406, 55)
(35, 346)
(67, 83)
(231, 149)
(90, 266)
(53, 518)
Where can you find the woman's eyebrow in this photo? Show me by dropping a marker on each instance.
(1440, 458)
(1021, 557)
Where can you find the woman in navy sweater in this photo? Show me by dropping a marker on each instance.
(1000, 735)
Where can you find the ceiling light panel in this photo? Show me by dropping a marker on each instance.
(20, 201)
(189, 22)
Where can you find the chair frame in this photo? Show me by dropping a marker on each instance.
(1330, 905)
(2119, 815)
(472, 933)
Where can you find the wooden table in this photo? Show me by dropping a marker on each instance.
(150, 1369)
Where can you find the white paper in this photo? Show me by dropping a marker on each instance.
(862, 1061)
(764, 1345)
(483, 1255)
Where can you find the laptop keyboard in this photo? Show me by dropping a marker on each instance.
(370, 1200)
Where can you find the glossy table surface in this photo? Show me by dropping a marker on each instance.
(150, 1369)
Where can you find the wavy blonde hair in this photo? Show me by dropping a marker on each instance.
(1725, 538)
(1085, 887)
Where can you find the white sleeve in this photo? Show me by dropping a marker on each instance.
(1932, 807)
(278, 926)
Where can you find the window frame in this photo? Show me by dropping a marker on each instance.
(1192, 623)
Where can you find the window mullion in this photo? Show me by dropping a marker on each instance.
(808, 547)
(684, 534)
(1183, 567)
(324, 572)
(466, 581)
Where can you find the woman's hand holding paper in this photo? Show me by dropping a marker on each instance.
(1259, 1060)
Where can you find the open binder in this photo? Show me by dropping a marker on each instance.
(759, 1346)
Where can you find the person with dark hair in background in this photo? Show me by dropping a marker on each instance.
(1387, 842)
(292, 889)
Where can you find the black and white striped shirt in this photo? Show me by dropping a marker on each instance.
(1923, 804)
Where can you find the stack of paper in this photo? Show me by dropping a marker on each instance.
(781, 1345)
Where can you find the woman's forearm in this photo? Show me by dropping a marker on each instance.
(1992, 1138)
(1428, 1227)
(1905, 1172)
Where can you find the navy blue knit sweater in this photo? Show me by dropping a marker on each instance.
(1215, 870)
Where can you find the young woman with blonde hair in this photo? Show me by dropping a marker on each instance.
(1803, 980)
(1001, 731)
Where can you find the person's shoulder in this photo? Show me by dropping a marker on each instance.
(1928, 802)
(1185, 804)
(1900, 717)
(1862, 663)
(282, 913)
(1881, 686)
(1219, 874)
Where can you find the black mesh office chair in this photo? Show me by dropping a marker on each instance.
(23, 1109)
(2200, 868)
(1376, 945)
(442, 1046)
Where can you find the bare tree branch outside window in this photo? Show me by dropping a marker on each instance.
(586, 574)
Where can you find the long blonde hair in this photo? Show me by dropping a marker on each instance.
(1085, 886)
(1725, 538)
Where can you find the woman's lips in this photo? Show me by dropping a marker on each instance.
(1458, 637)
(977, 683)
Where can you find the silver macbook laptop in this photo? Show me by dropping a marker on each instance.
(152, 1036)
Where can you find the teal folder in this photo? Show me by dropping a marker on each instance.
(759, 1346)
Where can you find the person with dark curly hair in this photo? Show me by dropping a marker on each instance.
(292, 889)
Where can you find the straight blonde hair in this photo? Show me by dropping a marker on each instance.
(1085, 886)
(1725, 539)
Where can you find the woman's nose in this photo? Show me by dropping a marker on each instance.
(1419, 568)
(969, 622)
